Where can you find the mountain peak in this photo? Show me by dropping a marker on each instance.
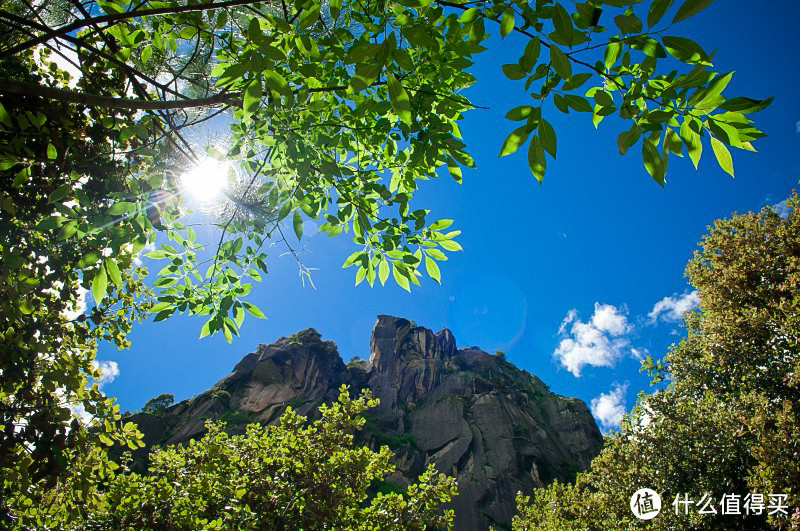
(477, 417)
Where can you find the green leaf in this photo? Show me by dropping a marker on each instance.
(627, 139)
(310, 16)
(531, 54)
(563, 24)
(52, 153)
(399, 99)
(536, 159)
(450, 245)
(548, 137)
(513, 71)
(612, 53)
(26, 306)
(628, 23)
(233, 73)
(254, 310)
(507, 23)
(693, 144)
(353, 258)
(653, 162)
(477, 31)
(400, 277)
(469, 15)
(657, 10)
(673, 142)
(278, 83)
(603, 98)
(685, 50)
(164, 314)
(161, 306)
(433, 269)
(648, 46)
(67, 231)
(121, 208)
(99, 285)
(514, 141)
(725, 132)
(690, 8)
(560, 103)
(578, 103)
(383, 271)
(238, 315)
(158, 254)
(576, 81)
(252, 98)
(745, 105)
(297, 223)
(5, 119)
(711, 94)
(441, 224)
(165, 282)
(113, 271)
(723, 155)
(560, 62)
(519, 113)
(59, 193)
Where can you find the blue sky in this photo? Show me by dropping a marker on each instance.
(590, 252)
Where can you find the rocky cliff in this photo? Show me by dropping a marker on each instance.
(496, 428)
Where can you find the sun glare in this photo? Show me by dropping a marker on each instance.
(207, 180)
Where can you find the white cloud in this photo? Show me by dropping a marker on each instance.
(782, 208)
(671, 309)
(110, 371)
(137, 260)
(608, 408)
(639, 353)
(599, 343)
(80, 412)
(607, 318)
(571, 316)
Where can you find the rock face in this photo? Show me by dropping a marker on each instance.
(495, 428)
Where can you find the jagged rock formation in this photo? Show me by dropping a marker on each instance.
(496, 428)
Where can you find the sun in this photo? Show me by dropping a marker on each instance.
(206, 181)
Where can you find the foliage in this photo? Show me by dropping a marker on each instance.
(157, 405)
(728, 420)
(291, 476)
(223, 396)
(338, 111)
(357, 362)
(51, 413)
(234, 416)
(393, 441)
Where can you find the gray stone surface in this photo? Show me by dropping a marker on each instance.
(497, 429)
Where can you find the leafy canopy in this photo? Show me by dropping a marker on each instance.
(289, 476)
(336, 111)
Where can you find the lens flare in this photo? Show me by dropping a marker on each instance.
(207, 180)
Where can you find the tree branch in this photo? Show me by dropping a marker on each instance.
(11, 86)
(79, 24)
